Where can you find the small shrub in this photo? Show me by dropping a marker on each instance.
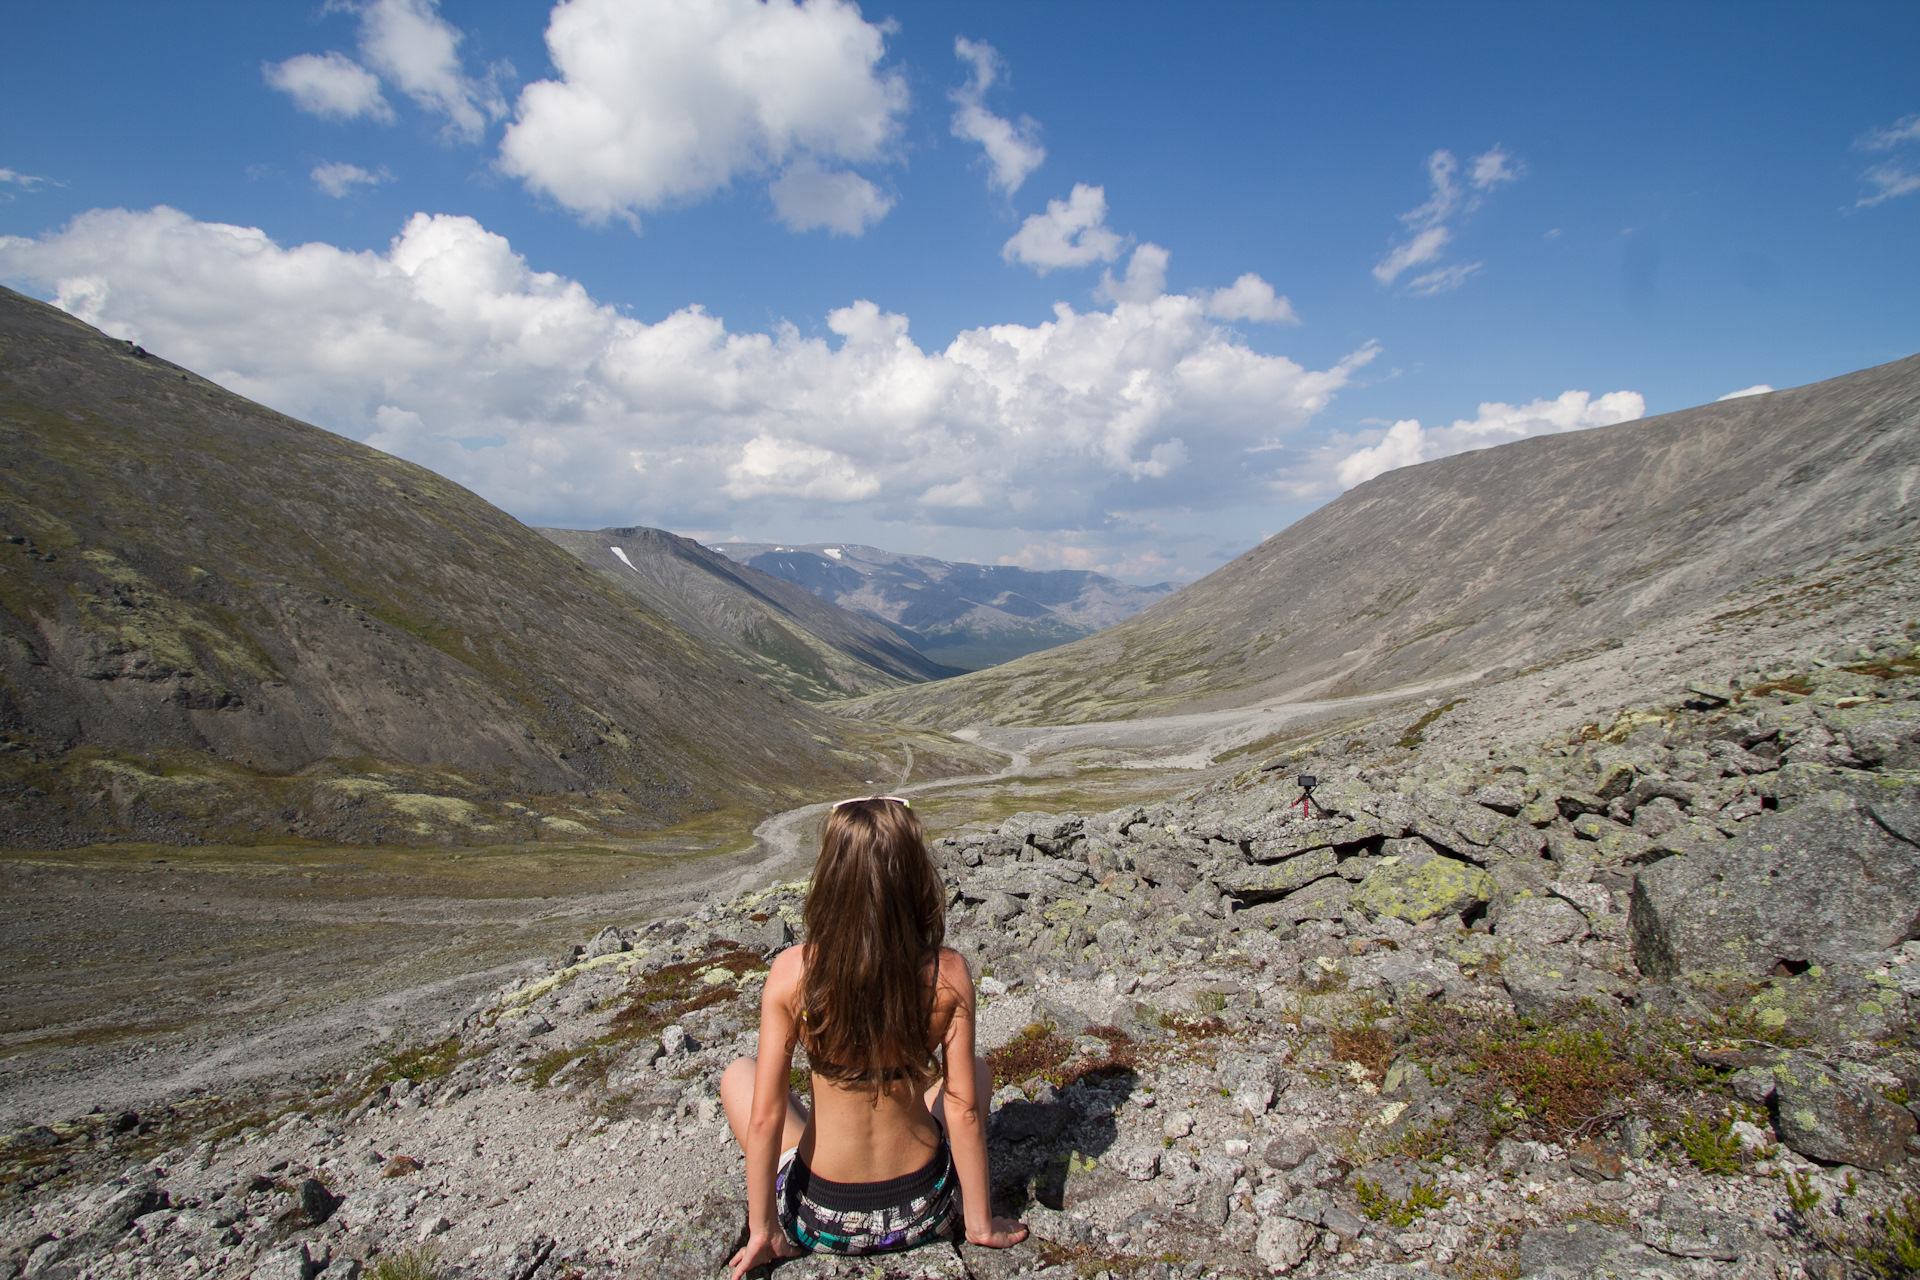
(1712, 1147)
(1381, 1207)
(1894, 1247)
(1802, 1197)
(410, 1264)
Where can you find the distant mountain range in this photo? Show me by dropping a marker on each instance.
(960, 615)
(789, 636)
(1496, 559)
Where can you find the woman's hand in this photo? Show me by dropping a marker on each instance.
(1000, 1233)
(761, 1249)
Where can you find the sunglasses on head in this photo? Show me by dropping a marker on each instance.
(899, 800)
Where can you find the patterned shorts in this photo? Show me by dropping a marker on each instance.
(864, 1217)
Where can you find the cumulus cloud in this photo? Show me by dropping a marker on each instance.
(662, 102)
(807, 197)
(1407, 442)
(417, 50)
(1071, 233)
(1757, 389)
(1013, 149)
(1250, 298)
(1430, 223)
(330, 85)
(339, 180)
(449, 349)
(1146, 277)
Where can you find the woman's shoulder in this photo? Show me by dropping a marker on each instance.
(787, 969)
(953, 970)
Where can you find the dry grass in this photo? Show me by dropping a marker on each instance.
(1367, 1047)
(1557, 1081)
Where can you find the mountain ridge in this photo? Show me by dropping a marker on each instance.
(219, 622)
(1493, 559)
(810, 647)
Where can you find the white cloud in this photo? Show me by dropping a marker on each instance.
(330, 85)
(25, 181)
(1423, 248)
(1442, 279)
(1449, 199)
(447, 348)
(409, 43)
(1889, 181)
(338, 180)
(1904, 130)
(1146, 277)
(1757, 389)
(1250, 298)
(662, 102)
(807, 196)
(1013, 149)
(1071, 233)
(1407, 442)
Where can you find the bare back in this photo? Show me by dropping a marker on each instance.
(850, 1135)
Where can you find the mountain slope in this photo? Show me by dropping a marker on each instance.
(963, 615)
(215, 620)
(803, 644)
(1504, 556)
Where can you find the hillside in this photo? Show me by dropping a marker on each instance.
(217, 622)
(962, 615)
(1494, 559)
(811, 648)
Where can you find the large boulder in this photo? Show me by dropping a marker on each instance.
(1821, 882)
(1423, 887)
(1826, 1116)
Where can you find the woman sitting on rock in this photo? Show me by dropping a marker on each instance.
(893, 1138)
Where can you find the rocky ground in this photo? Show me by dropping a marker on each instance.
(1633, 999)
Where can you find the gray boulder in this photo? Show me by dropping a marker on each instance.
(605, 943)
(1814, 884)
(291, 1263)
(1577, 1246)
(1277, 879)
(1825, 1116)
(1685, 1230)
(1540, 922)
(1423, 887)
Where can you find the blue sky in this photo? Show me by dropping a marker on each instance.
(754, 271)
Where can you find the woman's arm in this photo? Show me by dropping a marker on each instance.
(966, 1112)
(773, 1068)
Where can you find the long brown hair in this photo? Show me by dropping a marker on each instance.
(876, 917)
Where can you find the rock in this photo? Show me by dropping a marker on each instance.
(526, 1259)
(1500, 799)
(1812, 884)
(532, 1026)
(1287, 1151)
(1753, 1085)
(634, 1069)
(1578, 1246)
(316, 1201)
(340, 1268)
(1827, 1117)
(1540, 922)
(292, 1263)
(1542, 986)
(1283, 1243)
(1420, 888)
(1685, 1231)
(437, 1225)
(605, 943)
(675, 1042)
(1136, 1163)
(1019, 1121)
(1262, 881)
(36, 1137)
(998, 907)
(1596, 1161)
(117, 1214)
